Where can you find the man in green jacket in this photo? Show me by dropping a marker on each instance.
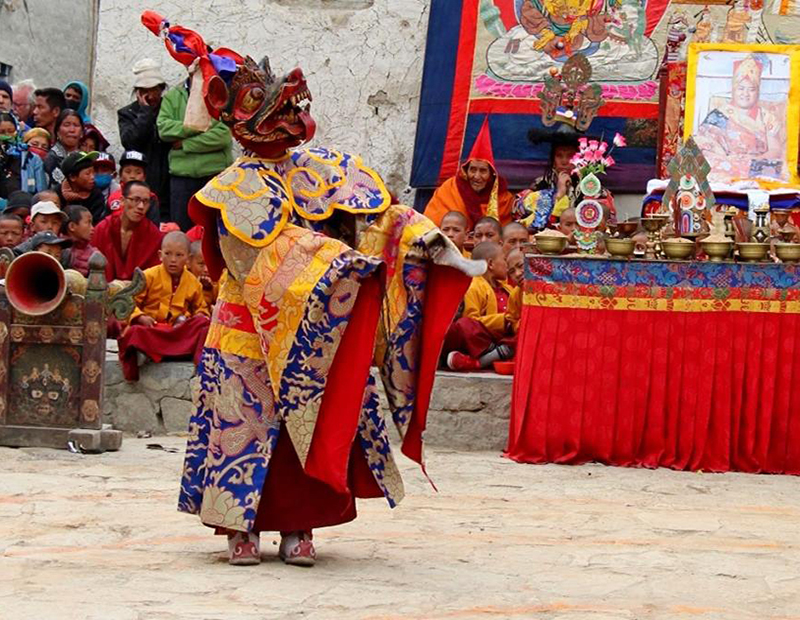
(196, 157)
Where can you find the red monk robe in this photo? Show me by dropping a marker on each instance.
(181, 316)
(458, 194)
(142, 250)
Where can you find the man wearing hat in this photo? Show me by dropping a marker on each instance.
(137, 127)
(19, 204)
(78, 186)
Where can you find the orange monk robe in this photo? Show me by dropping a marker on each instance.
(165, 305)
(447, 198)
(481, 303)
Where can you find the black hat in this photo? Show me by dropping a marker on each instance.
(105, 158)
(19, 199)
(48, 238)
(75, 162)
(133, 157)
(563, 136)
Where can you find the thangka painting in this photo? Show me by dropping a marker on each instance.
(490, 57)
(740, 112)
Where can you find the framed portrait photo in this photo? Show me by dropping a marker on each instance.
(742, 107)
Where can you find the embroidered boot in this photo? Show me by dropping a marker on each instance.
(243, 548)
(297, 549)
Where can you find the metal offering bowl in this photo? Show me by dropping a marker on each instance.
(717, 251)
(550, 245)
(752, 251)
(653, 223)
(619, 247)
(677, 249)
(626, 229)
(788, 252)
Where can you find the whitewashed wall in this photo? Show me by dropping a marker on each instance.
(362, 58)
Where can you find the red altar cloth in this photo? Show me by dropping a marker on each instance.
(605, 374)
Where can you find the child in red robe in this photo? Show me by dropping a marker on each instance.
(480, 337)
(171, 316)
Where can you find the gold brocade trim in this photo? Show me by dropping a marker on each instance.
(660, 304)
(234, 341)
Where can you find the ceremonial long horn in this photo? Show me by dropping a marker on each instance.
(35, 283)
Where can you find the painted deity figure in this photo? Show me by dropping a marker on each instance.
(743, 138)
(322, 275)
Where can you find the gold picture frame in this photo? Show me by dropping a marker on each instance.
(743, 110)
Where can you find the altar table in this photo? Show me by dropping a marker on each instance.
(688, 365)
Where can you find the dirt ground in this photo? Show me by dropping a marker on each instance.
(99, 537)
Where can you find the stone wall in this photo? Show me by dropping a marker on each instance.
(48, 41)
(467, 412)
(362, 58)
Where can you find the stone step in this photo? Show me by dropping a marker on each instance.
(468, 411)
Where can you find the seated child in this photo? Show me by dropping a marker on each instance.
(454, 226)
(477, 339)
(514, 235)
(487, 229)
(197, 265)
(11, 229)
(45, 242)
(133, 167)
(78, 228)
(516, 267)
(779, 219)
(171, 315)
(46, 216)
(567, 224)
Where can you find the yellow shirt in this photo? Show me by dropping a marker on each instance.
(160, 302)
(480, 303)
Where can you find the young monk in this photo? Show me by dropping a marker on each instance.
(487, 229)
(11, 230)
(516, 267)
(45, 242)
(454, 226)
(171, 316)
(79, 228)
(514, 235)
(197, 265)
(568, 223)
(476, 340)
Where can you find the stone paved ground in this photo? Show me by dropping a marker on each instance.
(98, 537)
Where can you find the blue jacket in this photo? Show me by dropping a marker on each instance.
(34, 178)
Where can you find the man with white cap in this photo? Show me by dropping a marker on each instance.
(137, 127)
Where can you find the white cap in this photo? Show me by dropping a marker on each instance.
(147, 74)
(46, 207)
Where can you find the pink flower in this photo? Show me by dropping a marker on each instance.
(619, 140)
(602, 148)
(609, 161)
(583, 143)
(593, 145)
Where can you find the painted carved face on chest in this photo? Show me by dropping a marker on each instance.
(266, 115)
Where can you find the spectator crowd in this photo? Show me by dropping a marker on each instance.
(62, 192)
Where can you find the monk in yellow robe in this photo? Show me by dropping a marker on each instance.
(171, 315)
(743, 138)
(477, 190)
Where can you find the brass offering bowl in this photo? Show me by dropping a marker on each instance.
(717, 251)
(550, 245)
(619, 247)
(626, 229)
(653, 223)
(788, 252)
(752, 251)
(680, 250)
